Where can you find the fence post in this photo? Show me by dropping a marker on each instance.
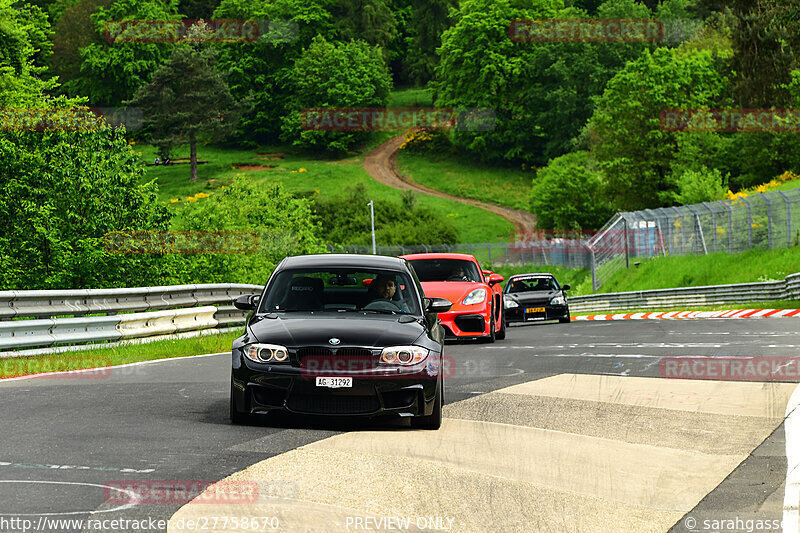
(593, 266)
(625, 236)
(769, 218)
(788, 219)
(713, 223)
(749, 221)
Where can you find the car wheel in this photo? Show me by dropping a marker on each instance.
(502, 333)
(434, 420)
(565, 320)
(237, 417)
(492, 334)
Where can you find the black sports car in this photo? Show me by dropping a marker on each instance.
(535, 297)
(345, 335)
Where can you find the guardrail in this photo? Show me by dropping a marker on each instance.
(35, 321)
(788, 289)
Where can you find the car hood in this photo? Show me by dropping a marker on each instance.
(304, 329)
(534, 296)
(455, 291)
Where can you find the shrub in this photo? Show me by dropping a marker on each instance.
(346, 220)
(566, 194)
(283, 223)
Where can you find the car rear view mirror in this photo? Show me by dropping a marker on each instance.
(495, 278)
(246, 302)
(565, 287)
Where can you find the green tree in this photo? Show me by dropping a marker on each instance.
(187, 100)
(625, 132)
(263, 69)
(542, 93)
(337, 75)
(24, 34)
(368, 20)
(429, 19)
(74, 30)
(567, 194)
(111, 72)
(60, 193)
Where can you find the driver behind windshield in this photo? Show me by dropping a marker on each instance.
(384, 288)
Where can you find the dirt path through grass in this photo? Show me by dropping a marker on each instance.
(381, 164)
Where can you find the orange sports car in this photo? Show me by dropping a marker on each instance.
(476, 294)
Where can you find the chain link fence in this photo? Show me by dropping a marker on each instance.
(766, 220)
(569, 253)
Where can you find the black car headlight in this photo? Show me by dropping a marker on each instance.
(509, 302)
(558, 300)
(267, 353)
(403, 355)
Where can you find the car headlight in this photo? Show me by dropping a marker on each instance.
(403, 355)
(509, 302)
(267, 353)
(475, 297)
(558, 300)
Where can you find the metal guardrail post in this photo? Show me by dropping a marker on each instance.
(788, 219)
(593, 266)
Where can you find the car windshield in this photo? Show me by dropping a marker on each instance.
(533, 284)
(339, 290)
(446, 270)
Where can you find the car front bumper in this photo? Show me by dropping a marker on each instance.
(262, 388)
(551, 312)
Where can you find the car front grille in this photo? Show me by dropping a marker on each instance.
(322, 359)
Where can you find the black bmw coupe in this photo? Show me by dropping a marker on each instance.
(340, 335)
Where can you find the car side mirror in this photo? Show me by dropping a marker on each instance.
(565, 287)
(437, 305)
(487, 273)
(246, 302)
(495, 279)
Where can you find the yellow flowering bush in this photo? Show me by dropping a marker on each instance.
(425, 140)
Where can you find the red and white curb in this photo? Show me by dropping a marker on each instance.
(694, 315)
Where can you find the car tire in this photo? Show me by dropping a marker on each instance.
(434, 420)
(565, 320)
(492, 334)
(502, 333)
(238, 418)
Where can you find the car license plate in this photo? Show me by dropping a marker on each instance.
(334, 383)
(534, 310)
